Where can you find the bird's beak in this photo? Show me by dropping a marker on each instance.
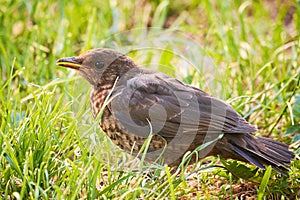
(70, 62)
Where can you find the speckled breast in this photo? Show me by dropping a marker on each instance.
(128, 142)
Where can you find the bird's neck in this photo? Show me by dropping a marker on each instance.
(117, 71)
(102, 90)
(98, 96)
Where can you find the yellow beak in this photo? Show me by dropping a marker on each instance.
(70, 62)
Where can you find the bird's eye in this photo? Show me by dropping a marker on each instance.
(99, 64)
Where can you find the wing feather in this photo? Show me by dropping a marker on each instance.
(158, 98)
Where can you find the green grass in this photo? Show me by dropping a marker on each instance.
(52, 148)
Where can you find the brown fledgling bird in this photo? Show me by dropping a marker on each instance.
(135, 102)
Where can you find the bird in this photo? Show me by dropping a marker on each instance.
(136, 103)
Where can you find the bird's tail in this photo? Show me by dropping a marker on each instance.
(262, 151)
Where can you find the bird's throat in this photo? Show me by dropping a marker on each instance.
(98, 97)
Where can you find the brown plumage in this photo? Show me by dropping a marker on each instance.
(137, 102)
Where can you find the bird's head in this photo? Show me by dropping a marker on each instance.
(99, 65)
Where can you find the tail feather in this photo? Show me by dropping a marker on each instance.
(278, 147)
(248, 157)
(263, 151)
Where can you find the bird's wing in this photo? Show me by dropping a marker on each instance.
(171, 106)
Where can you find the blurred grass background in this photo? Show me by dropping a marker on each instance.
(246, 52)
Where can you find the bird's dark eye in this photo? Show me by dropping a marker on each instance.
(99, 64)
